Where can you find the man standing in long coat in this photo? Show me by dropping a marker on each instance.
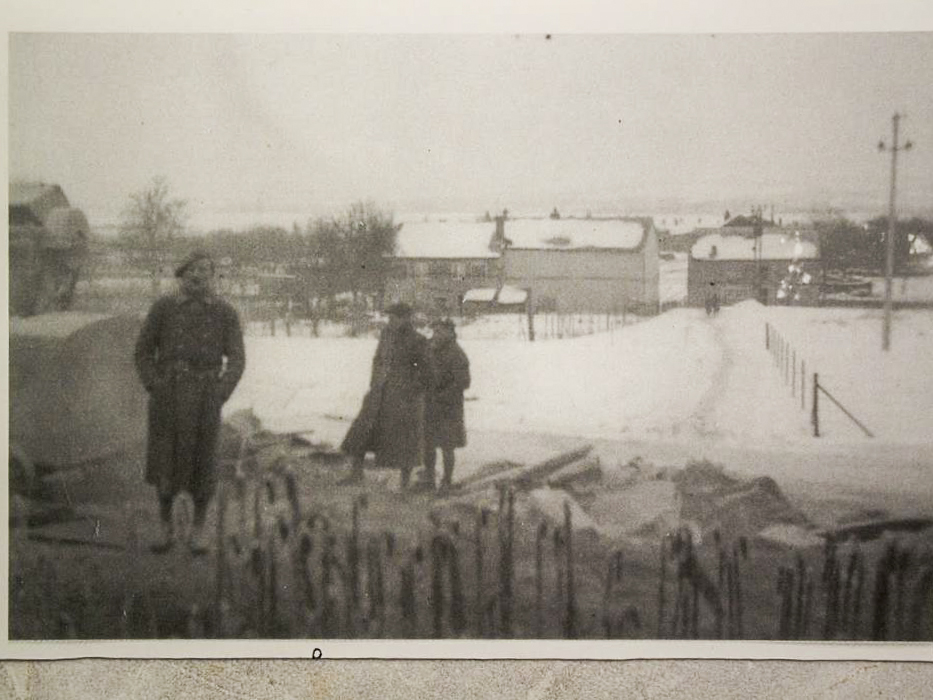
(444, 426)
(190, 357)
(391, 421)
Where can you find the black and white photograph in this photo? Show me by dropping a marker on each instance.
(513, 336)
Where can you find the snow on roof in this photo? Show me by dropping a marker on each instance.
(571, 234)
(480, 294)
(445, 239)
(512, 295)
(506, 295)
(774, 246)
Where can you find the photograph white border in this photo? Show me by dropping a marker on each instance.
(529, 17)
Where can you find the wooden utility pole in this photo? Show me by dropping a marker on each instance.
(892, 226)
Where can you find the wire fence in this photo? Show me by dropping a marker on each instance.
(794, 373)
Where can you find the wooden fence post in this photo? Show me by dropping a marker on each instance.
(529, 307)
(793, 381)
(803, 385)
(767, 336)
(787, 364)
(815, 416)
(570, 621)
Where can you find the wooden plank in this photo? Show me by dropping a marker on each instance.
(527, 477)
(584, 471)
(874, 529)
(488, 470)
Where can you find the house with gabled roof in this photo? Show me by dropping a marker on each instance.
(436, 262)
(738, 267)
(564, 265)
(583, 265)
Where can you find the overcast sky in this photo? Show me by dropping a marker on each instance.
(278, 126)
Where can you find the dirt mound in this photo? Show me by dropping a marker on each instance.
(715, 500)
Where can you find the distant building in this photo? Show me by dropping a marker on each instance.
(566, 265)
(739, 266)
(583, 265)
(437, 262)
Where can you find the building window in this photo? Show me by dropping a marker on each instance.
(439, 269)
(477, 269)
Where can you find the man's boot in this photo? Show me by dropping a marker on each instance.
(167, 538)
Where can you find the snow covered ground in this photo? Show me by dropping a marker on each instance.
(679, 375)
(676, 386)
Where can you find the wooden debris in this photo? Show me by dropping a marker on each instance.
(581, 473)
(525, 478)
(872, 530)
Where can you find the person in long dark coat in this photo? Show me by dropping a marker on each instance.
(189, 357)
(390, 423)
(444, 426)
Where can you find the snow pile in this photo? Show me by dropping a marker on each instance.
(549, 504)
(713, 500)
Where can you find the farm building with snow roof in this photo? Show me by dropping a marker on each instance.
(565, 265)
(583, 265)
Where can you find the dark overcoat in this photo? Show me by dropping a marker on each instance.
(443, 417)
(391, 421)
(190, 357)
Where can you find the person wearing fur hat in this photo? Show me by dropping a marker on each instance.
(391, 420)
(189, 357)
(444, 426)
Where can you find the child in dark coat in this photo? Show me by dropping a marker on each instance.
(444, 426)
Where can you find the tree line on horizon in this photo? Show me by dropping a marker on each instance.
(344, 253)
(350, 251)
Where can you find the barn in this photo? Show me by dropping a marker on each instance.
(582, 265)
(739, 267)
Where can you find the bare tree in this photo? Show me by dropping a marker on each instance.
(150, 222)
(351, 249)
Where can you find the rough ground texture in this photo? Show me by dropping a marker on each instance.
(657, 680)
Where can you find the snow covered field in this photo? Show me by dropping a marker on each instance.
(673, 387)
(679, 375)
